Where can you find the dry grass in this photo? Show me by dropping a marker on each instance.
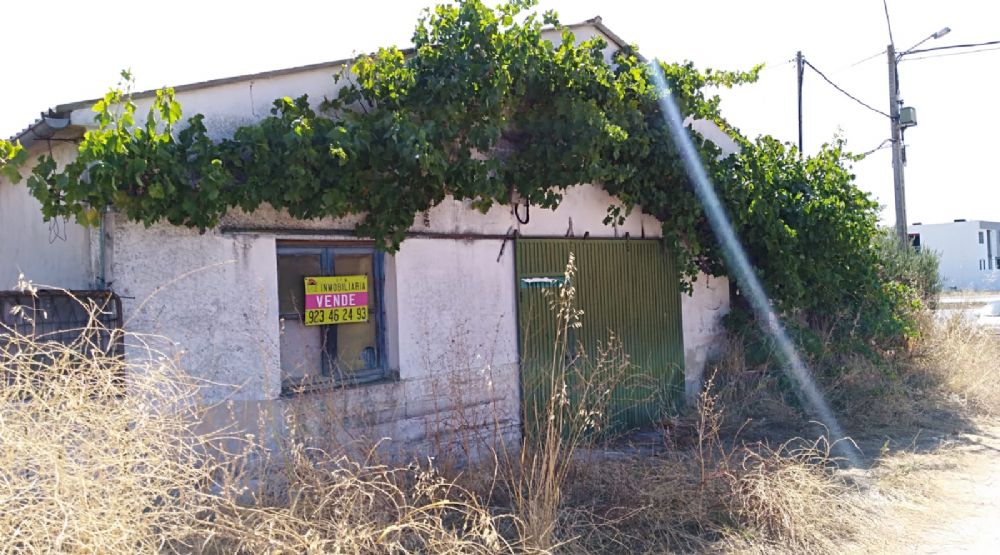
(718, 495)
(792, 497)
(964, 358)
(99, 455)
(335, 505)
(96, 456)
(753, 396)
(572, 416)
(88, 467)
(951, 370)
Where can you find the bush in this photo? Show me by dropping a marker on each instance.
(917, 269)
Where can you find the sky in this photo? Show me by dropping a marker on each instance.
(63, 51)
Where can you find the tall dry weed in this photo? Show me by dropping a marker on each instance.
(950, 371)
(570, 418)
(719, 494)
(104, 455)
(790, 497)
(337, 505)
(97, 455)
(751, 395)
(963, 357)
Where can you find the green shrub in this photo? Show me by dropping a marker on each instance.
(917, 269)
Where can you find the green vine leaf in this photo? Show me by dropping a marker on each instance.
(12, 157)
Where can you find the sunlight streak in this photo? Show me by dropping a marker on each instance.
(739, 268)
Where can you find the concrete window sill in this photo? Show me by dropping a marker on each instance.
(319, 384)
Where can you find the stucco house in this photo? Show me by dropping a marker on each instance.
(438, 334)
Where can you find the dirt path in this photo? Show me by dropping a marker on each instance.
(946, 501)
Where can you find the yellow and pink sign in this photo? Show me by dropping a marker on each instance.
(336, 300)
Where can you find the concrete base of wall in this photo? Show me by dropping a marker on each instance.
(702, 315)
(399, 420)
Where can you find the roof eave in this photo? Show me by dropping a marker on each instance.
(54, 125)
(598, 23)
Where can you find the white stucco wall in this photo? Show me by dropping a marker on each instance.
(451, 314)
(214, 296)
(957, 244)
(55, 253)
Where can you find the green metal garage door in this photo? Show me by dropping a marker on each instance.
(627, 289)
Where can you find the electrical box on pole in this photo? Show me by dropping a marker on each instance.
(907, 117)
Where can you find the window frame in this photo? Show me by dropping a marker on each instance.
(328, 377)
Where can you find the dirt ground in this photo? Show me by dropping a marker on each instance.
(940, 496)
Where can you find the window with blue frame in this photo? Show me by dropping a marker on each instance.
(331, 354)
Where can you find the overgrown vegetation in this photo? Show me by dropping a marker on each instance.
(947, 375)
(100, 455)
(92, 460)
(860, 351)
(914, 268)
(961, 358)
(103, 455)
(487, 110)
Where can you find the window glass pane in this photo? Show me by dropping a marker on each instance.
(301, 349)
(292, 270)
(301, 346)
(357, 344)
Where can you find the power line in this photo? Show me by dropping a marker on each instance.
(947, 54)
(952, 46)
(845, 93)
(775, 65)
(884, 144)
(863, 60)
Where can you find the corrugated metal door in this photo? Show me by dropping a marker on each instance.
(626, 288)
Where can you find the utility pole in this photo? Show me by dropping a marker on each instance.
(897, 149)
(800, 69)
(897, 128)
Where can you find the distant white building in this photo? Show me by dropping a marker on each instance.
(969, 251)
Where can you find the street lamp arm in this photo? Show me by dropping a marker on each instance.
(944, 31)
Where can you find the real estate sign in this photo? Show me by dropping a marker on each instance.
(336, 300)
